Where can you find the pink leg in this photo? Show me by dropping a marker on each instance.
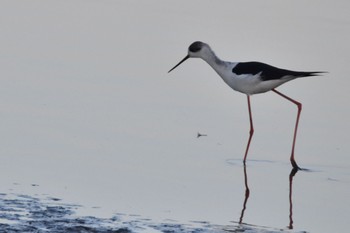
(251, 132)
(292, 160)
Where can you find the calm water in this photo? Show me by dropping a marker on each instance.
(97, 136)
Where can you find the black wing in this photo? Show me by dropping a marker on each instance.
(268, 72)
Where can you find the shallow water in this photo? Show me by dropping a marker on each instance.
(90, 117)
(284, 202)
(23, 213)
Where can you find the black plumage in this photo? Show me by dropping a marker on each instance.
(268, 72)
(195, 46)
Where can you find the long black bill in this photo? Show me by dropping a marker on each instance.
(179, 63)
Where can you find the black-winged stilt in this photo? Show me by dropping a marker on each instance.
(250, 78)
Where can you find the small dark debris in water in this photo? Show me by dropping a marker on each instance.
(54, 199)
(201, 222)
(35, 185)
(201, 135)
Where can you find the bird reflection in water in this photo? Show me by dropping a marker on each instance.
(291, 176)
(247, 193)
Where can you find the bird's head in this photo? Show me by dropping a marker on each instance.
(196, 49)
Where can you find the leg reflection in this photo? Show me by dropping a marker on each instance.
(247, 192)
(291, 175)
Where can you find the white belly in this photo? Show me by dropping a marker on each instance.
(252, 84)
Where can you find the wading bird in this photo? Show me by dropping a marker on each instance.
(250, 78)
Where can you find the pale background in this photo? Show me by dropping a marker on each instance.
(89, 113)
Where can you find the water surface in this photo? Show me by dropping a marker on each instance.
(90, 117)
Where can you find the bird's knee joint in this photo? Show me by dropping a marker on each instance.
(300, 106)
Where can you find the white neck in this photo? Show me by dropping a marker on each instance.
(216, 63)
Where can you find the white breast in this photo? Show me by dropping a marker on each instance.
(251, 84)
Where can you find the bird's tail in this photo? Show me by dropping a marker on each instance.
(314, 73)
